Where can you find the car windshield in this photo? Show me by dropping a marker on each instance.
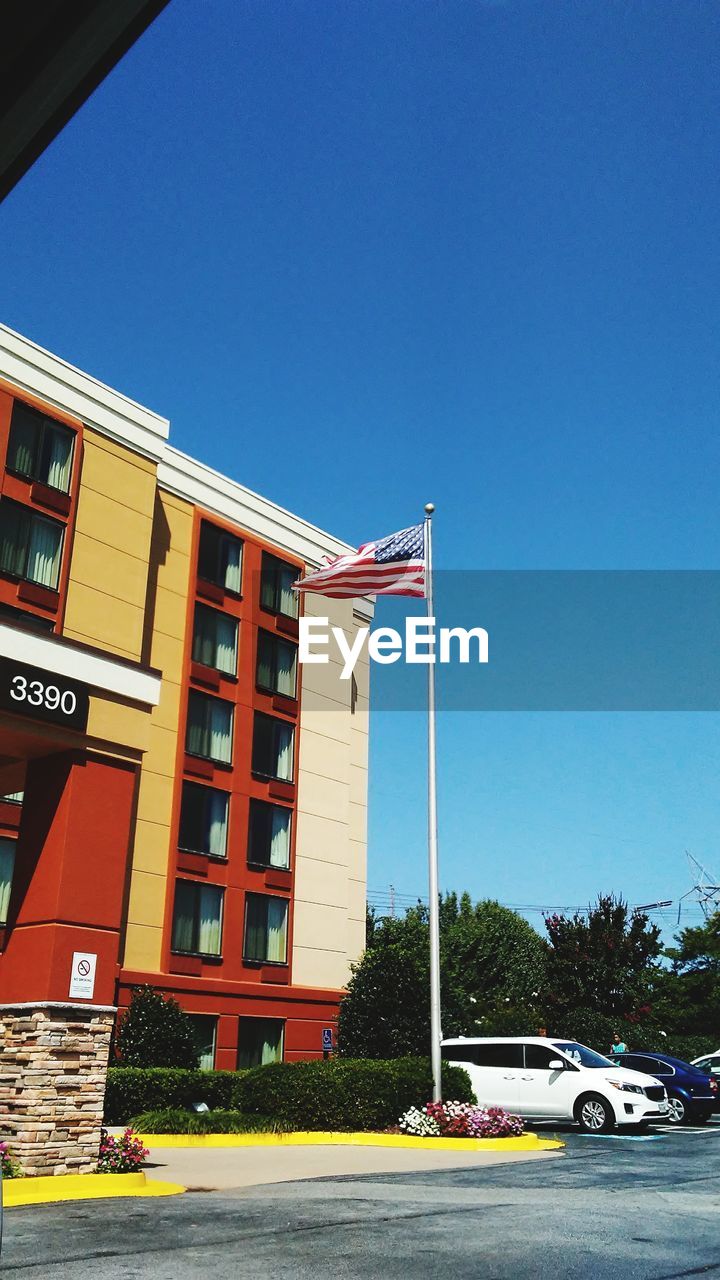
(581, 1054)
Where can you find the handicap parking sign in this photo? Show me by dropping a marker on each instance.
(327, 1039)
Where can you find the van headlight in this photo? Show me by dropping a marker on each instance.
(626, 1088)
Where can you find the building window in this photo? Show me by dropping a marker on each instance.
(269, 834)
(209, 728)
(40, 448)
(276, 665)
(276, 589)
(260, 1042)
(215, 639)
(220, 558)
(272, 750)
(197, 918)
(30, 545)
(7, 866)
(205, 1028)
(204, 820)
(265, 929)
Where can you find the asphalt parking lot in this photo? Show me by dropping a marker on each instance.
(641, 1206)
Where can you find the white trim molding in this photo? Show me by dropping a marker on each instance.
(204, 487)
(64, 658)
(39, 373)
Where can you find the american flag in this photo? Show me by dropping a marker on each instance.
(392, 566)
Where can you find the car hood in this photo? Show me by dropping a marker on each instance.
(627, 1076)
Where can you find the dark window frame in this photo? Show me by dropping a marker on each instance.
(262, 773)
(268, 637)
(187, 784)
(270, 565)
(223, 536)
(198, 886)
(29, 515)
(256, 806)
(43, 425)
(193, 696)
(260, 960)
(216, 613)
(245, 1018)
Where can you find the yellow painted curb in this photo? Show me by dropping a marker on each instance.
(528, 1141)
(83, 1186)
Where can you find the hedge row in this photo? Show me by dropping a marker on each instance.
(340, 1094)
(132, 1090)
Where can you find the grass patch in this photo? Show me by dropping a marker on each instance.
(174, 1120)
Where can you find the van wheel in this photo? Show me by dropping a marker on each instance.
(593, 1114)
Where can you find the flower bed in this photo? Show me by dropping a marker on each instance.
(124, 1154)
(459, 1120)
(10, 1169)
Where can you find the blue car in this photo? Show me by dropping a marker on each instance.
(692, 1093)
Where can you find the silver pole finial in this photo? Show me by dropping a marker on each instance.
(429, 508)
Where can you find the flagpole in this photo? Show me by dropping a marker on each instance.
(433, 892)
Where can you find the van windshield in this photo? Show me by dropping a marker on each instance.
(582, 1055)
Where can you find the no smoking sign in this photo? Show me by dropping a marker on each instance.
(82, 975)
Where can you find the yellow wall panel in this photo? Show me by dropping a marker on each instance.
(143, 948)
(110, 474)
(110, 623)
(95, 564)
(155, 797)
(112, 720)
(103, 517)
(147, 898)
(151, 848)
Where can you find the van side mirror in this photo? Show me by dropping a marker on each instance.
(556, 1064)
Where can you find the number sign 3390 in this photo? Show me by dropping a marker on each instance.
(29, 691)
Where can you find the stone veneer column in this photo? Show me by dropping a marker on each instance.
(53, 1070)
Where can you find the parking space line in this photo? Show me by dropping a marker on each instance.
(625, 1137)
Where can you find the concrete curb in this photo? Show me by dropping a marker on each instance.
(528, 1141)
(82, 1186)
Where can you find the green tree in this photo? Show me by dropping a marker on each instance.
(600, 971)
(491, 970)
(687, 993)
(156, 1033)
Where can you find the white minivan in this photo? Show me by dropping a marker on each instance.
(543, 1079)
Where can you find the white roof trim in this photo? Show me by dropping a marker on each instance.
(64, 658)
(41, 374)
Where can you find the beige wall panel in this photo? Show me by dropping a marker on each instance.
(321, 926)
(143, 948)
(358, 822)
(356, 893)
(325, 756)
(355, 940)
(324, 969)
(321, 838)
(113, 624)
(167, 713)
(323, 796)
(359, 762)
(322, 883)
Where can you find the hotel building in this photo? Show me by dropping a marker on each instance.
(182, 804)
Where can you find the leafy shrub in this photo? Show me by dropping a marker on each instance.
(343, 1094)
(133, 1090)
(124, 1154)
(460, 1120)
(177, 1121)
(154, 1032)
(10, 1168)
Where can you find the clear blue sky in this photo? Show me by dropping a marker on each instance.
(368, 253)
